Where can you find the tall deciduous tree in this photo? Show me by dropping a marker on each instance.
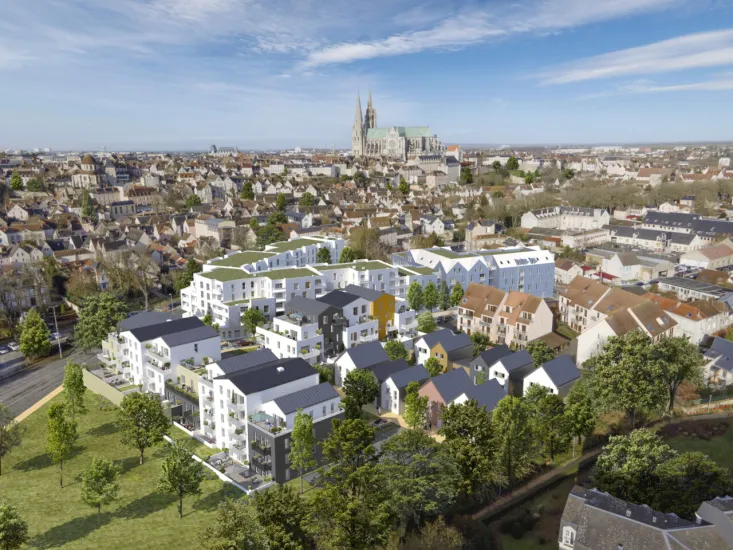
(247, 193)
(580, 417)
(284, 516)
(395, 350)
(97, 319)
(235, 526)
(347, 255)
(361, 386)
(34, 336)
(515, 437)
(99, 484)
(306, 199)
(445, 301)
(541, 353)
(512, 163)
(480, 341)
(185, 278)
(404, 187)
(415, 296)
(192, 200)
(13, 528)
(548, 411)
(426, 322)
(456, 294)
(416, 407)
(35, 185)
(435, 535)
(142, 421)
(182, 475)
(431, 296)
(679, 361)
(74, 389)
(61, 435)
(16, 181)
(251, 319)
(433, 366)
(11, 433)
(281, 202)
(302, 444)
(323, 256)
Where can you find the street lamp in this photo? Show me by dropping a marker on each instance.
(56, 327)
(171, 297)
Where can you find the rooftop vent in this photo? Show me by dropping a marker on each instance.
(281, 369)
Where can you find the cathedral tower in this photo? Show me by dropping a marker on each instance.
(358, 135)
(371, 114)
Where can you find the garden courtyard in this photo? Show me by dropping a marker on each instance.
(141, 518)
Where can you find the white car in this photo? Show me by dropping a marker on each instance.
(14, 346)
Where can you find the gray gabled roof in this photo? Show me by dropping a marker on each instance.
(382, 371)
(721, 351)
(306, 305)
(366, 355)
(452, 384)
(487, 394)
(338, 298)
(561, 370)
(246, 360)
(516, 360)
(144, 319)
(417, 374)
(447, 339)
(306, 398)
(151, 332)
(187, 336)
(269, 375)
(491, 356)
(366, 293)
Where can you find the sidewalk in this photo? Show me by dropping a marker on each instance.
(33, 408)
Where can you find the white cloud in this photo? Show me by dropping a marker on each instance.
(647, 87)
(692, 51)
(11, 59)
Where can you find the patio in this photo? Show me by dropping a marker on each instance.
(236, 472)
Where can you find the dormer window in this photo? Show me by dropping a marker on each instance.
(568, 536)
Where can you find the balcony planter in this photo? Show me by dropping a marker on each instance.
(239, 431)
(148, 346)
(166, 365)
(205, 360)
(206, 422)
(231, 415)
(319, 332)
(276, 429)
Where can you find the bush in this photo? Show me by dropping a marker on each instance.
(528, 522)
(505, 527)
(517, 530)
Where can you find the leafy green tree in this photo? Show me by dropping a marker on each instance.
(302, 444)
(548, 411)
(496, 165)
(541, 353)
(580, 417)
(185, 278)
(469, 436)
(512, 163)
(388, 186)
(415, 296)
(445, 301)
(416, 407)
(325, 373)
(422, 477)
(142, 421)
(348, 447)
(281, 202)
(182, 475)
(347, 255)
(395, 350)
(433, 366)
(404, 187)
(481, 342)
(431, 296)
(515, 437)
(87, 205)
(247, 193)
(270, 234)
(625, 376)
(435, 535)
(351, 407)
(97, 319)
(74, 389)
(236, 525)
(679, 360)
(466, 175)
(529, 178)
(35, 185)
(284, 516)
(13, 528)
(208, 319)
(456, 294)
(306, 200)
(192, 200)
(60, 437)
(99, 484)
(34, 336)
(251, 319)
(16, 181)
(361, 386)
(278, 217)
(426, 322)
(254, 225)
(11, 433)
(323, 256)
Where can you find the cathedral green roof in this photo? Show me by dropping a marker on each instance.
(403, 131)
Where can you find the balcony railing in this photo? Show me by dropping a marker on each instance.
(261, 448)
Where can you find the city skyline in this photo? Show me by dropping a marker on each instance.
(164, 75)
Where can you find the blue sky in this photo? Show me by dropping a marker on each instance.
(182, 74)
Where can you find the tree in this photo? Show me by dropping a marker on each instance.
(548, 411)
(284, 515)
(481, 342)
(323, 256)
(512, 163)
(496, 165)
(435, 535)
(302, 443)
(433, 366)
(13, 528)
(247, 193)
(361, 386)
(87, 206)
(395, 350)
(415, 296)
(541, 353)
(97, 319)
(456, 294)
(16, 182)
(35, 336)
(142, 421)
(236, 526)
(251, 319)
(74, 389)
(426, 322)
(270, 234)
(626, 376)
(515, 437)
(431, 296)
(281, 202)
(254, 225)
(208, 319)
(416, 407)
(404, 187)
(99, 484)
(182, 475)
(35, 185)
(466, 175)
(277, 218)
(10, 433)
(192, 200)
(580, 418)
(347, 255)
(444, 294)
(306, 200)
(185, 278)
(679, 361)
(60, 437)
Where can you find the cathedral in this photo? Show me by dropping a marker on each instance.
(394, 142)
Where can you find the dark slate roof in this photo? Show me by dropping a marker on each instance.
(487, 394)
(382, 371)
(447, 339)
(246, 360)
(452, 384)
(150, 332)
(721, 351)
(191, 335)
(306, 398)
(561, 370)
(144, 319)
(417, 374)
(491, 356)
(366, 293)
(306, 305)
(366, 355)
(338, 298)
(516, 360)
(269, 375)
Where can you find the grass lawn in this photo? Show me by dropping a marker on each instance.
(141, 518)
(566, 331)
(719, 448)
(128, 387)
(192, 444)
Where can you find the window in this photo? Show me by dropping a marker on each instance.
(195, 348)
(568, 536)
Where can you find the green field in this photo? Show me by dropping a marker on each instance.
(719, 448)
(141, 518)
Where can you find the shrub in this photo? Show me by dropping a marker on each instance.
(517, 530)
(505, 527)
(528, 522)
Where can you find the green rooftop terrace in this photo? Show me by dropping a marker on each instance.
(287, 273)
(238, 302)
(286, 246)
(447, 253)
(226, 275)
(242, 258)
(358, 266)
(417, 269)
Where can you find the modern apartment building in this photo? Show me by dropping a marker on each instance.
(566, 217)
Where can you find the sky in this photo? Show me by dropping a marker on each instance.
(263, 74)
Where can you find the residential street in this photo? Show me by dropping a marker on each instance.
(27, 387)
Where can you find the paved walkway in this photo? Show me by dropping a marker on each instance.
(33, 408)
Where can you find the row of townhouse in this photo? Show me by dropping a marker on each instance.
(512, 318)
(566, 217)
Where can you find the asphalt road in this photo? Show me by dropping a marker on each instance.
(29, 386)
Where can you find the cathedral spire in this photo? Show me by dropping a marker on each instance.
(358, 118)
(371, 114)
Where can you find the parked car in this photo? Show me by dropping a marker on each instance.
(4, 350)
(55, 336)
(380, 423)
(14, 346)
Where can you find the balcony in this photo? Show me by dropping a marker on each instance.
(261, 448)
(155, 354)
(260, 463)
(267, 422)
